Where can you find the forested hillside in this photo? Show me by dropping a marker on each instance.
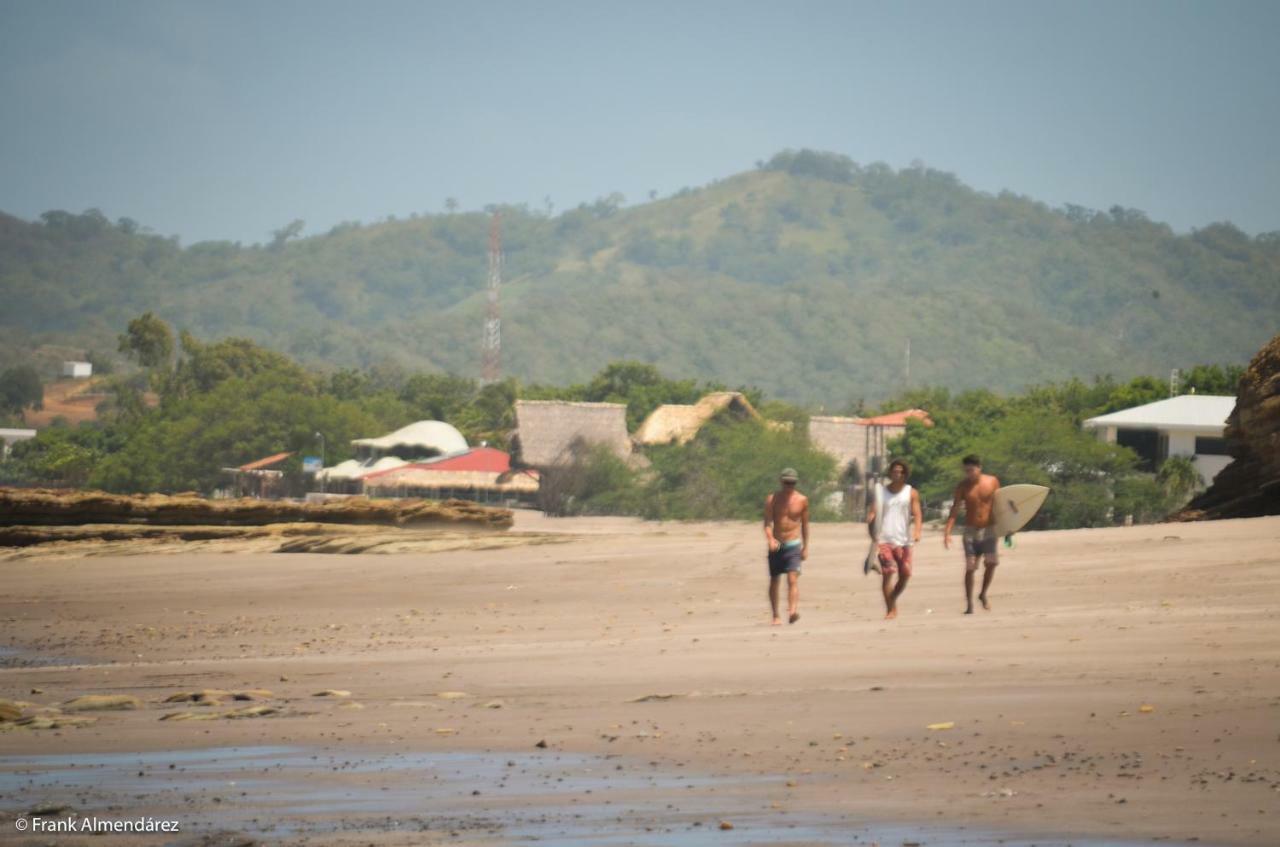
(804, 277)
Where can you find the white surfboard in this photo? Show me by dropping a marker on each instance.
(1015, 506)
(872, 562)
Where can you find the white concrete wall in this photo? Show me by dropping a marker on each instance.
(1184, 444)
(1211, 466)
(79, 370)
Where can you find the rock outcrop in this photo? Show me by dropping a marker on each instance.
(42, 507)
(1250, 486)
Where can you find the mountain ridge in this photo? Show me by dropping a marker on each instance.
(803, 277)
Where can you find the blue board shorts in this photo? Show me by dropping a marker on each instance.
(786, 559)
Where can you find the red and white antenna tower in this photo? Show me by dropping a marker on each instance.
(492, 368)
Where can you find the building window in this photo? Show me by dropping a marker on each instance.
(1211, 446)
(1151, 446)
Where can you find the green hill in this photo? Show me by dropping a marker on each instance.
(801, 277)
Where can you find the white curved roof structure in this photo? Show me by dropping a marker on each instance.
(356, 469)
(435, 435)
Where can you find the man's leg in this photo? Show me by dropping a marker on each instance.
(901, 587)
(988, 573)
(970, 565)
(793, 596)
(903, 567)
(773, 598)
(886, 586)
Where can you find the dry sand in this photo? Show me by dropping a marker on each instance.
(1125, 684)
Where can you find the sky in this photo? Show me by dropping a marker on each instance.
(228, 120)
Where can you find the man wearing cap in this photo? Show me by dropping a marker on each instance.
(786, 531)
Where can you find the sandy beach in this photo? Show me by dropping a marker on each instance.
(1125, 685)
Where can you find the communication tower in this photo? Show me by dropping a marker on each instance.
(492, 368)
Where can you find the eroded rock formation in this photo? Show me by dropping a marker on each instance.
(1249, 486)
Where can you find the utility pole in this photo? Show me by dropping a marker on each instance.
(491, 371)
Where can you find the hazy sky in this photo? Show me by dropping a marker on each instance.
(227, 120)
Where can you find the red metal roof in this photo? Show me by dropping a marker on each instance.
(475, 459)
(899, 418)
(265, 463)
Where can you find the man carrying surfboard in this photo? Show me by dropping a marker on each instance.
(977, 493)
(900, 522)
(786, 532)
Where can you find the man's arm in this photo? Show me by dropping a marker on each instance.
(871, 519)
(956, 500)
(804, 530)
(768, 525)
(917, 515)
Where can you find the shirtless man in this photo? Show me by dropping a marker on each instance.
(977, 491)
(899, 532)
(786, 531)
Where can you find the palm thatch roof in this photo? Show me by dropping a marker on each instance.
(549, 431)
(681, 423)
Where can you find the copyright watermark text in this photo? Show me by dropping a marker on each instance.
(93, 825)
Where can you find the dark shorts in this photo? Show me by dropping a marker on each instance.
(980, 543)
(785, 560)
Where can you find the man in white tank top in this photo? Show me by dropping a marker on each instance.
(899, 531)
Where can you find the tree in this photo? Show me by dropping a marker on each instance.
(207, 365)
(20, 388)
(1213, 379)
(148, 340)
(1179, 479)
(291, 230)
(451, 204)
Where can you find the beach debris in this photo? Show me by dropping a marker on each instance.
(725, 825)
(48, 812)
(541, 745)
(9, 711)
(102, 703)
(651, 698)
(45, 722)
(332, 692)
(251, 712)
(351, 704)
(259, 711)
(494, 704)
(943, 725)
(446, 730)
(452, 695)
(215, 696)
(1146, 708)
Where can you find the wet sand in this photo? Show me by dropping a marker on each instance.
(1125, 685)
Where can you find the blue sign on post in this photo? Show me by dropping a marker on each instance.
(311, 464)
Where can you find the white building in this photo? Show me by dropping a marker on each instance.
(1189, 425)
(413, 443)
(10, 437)
(77, 370)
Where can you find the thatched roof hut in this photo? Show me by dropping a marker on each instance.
(548, 431)
(681, 423)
